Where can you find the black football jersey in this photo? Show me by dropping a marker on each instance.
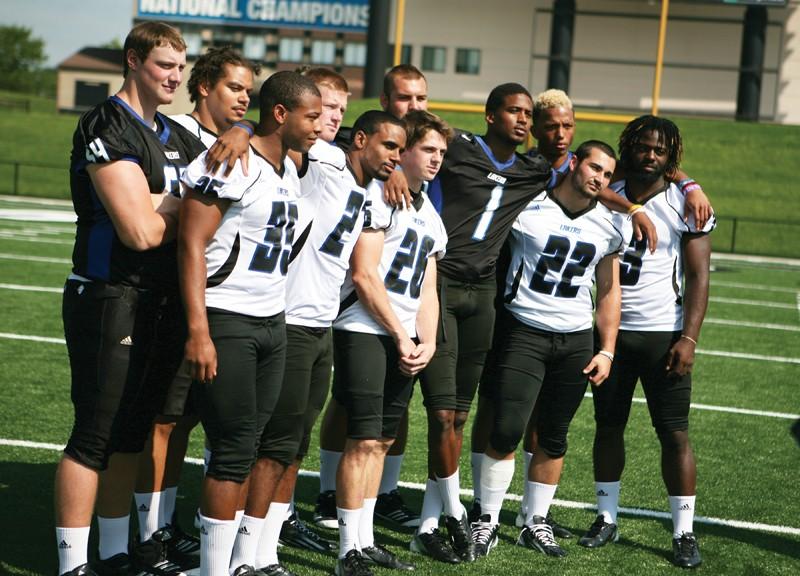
(109, 132)
(478, 199)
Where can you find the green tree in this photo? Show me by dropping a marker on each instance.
(21, 58)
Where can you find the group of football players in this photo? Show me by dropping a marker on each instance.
(225, 271)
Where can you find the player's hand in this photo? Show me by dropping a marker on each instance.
(644, 227)
(201, 356)
(598, 369)
(233, 145)
(395, 190)
(699, 206)
(680, 358)
(405, 348)
(414, 364)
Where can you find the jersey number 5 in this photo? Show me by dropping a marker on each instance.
(630, 265)
(553, 258)
(277, 241)
(412, 253)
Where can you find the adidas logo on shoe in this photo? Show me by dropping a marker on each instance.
(685, 507)
(602, 492)
(143, 508)
(127, 341)
(64, 545)
(243, 530)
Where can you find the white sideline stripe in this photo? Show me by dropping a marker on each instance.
(743, 324)
(728, 409)
(32, 338)
(745, 356)
(36, 200)
(31, 288)
(464, 492)
(48, 259)
(762, 287)
(755, 259)
(6, 236)
(744, 302)
(37, 215)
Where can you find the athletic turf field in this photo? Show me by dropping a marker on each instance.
(746, 396)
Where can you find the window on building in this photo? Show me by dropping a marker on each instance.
(434, 58)
(290, 50)
(194, 43)
(323, 51)
(405, 54)
(355, 54)
(468, 61)
(254, 48)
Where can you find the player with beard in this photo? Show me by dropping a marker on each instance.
(558, 245)
(664, 299)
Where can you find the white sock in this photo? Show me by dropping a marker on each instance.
(167, 510)
(475, 459)
(147, 506)
(682, 508)
(391, 473)
(431, 507)
(328, 465)
(216, 545)
(113, 536)
(607, 500)
(349, 521)
(290, 511)
(246, 543)
(366, 536)
(267, 553)
(206, 459)
(523, 506)
(237, 517)
(540, 496)
(73, 547)
(449, 488)
(496, 476)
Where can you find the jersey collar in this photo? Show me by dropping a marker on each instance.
(162, 128)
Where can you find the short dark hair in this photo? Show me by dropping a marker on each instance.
(400, 71)
(210, 68)
(325, 77)
(499, 93)
(145, 36)
(285, 88)
(419, 123)
(586, 148)
(668, 135)
(370, 121)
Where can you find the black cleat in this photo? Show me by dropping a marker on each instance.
(685, 551)
(539, 536)
(245, 570)
(182, 548)
(295, 533)
(557, 528)
(391, 508)
(82, 570)
(474, 511)
(149, 558)
(600, 533)
(353, 564)
(461, 537)
(435, 545)
(484, 535)
(117, 564)
(325, 510)
(380, 556)
(274, 570)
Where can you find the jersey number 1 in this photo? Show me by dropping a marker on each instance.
(488, 214)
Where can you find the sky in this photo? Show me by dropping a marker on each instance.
(66, 26)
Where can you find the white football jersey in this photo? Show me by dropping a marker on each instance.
(336, 205)
(553, 257)
(652, 284)
(411, 236)
(248, 257)
(206, 136)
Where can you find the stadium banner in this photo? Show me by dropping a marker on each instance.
(339, 15)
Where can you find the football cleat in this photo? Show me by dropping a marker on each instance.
(484, 535)
(539, 536)
(557, 528)
(274, 570)
(325, 510)
(380, 556)
(295, 533)
(600, 533)
(461, 537)
(116, 564)
(474, 511)
(435, 545)
(352, 564)
(685, 551)
(82, 570)
(149, 558)
(391, 509)
(245, 570)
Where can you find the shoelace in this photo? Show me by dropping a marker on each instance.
(482, 532)
(596, 526)
(544, 534)
(687, 544)
(306, 531)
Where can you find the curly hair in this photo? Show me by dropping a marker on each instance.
(668, 136)
(210, 68)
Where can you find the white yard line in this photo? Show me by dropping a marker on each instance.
(36, 200)
(640, 512)
(31, 288)
(728, 409)
(755, 259)
(5, 236)
(6, 256)
(759, 325)
(762, 287)
(47, 339)
(745, 356)
(744, 302)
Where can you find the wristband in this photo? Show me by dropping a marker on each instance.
(607, 354)
(245, 127)
(688, 185)
(692, 340)
(635, 209)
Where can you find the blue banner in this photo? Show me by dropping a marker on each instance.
(341, 15)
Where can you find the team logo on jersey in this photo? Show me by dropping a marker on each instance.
(496, 178)
(570, 229)
(96, 151)
(283, 191)
(172, 154)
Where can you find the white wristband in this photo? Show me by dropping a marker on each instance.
(607, 354)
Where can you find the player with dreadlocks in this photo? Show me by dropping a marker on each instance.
(664, 298)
